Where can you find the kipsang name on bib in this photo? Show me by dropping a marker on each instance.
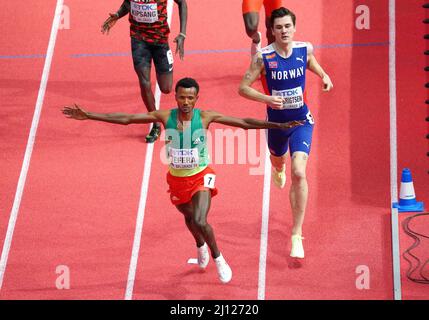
(144, 12)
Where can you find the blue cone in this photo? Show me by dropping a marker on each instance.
(407, 197)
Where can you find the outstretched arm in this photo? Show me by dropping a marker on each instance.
(252, 74)
(113, 17)
(77, 113)
(315, 67)
(248, 123)
(180, 39)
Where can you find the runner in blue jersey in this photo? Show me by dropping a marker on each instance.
(282, 66)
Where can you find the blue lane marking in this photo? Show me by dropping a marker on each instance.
(348, 45)
(112, 54)
(30, 56)
(190, 52)
(195, 52)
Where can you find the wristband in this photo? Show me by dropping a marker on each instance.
(182, 34)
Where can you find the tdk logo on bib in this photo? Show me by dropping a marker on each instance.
(182, 152)
(292, 98)
(144, 13)
(147, 7)
(292, 92)
(183, 158)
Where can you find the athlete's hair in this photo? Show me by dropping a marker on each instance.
(280, 13)
(187, 83)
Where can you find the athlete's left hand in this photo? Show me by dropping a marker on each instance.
(292, 124)
(327, 83)
(109, 23)
(180, 45)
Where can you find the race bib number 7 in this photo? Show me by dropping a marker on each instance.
(209, 180)
(144, 13)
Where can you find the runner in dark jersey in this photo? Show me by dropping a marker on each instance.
(149, 32)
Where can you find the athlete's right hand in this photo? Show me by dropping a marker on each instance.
(275, 102)
(75, 112)
(109, 23)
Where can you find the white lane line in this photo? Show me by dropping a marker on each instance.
(264, 227)
(143, 194)
(141, 212)
(393, 152)
(30, 141)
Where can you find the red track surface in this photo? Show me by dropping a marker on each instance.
(82, 192)
(412, 129)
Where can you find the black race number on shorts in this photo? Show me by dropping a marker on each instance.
(209, 180)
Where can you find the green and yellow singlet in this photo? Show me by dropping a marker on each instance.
(186, 147)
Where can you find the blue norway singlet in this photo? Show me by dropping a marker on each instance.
(286, 77)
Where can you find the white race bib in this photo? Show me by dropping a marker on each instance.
(209, 180)
(293, 98)
(183, 158)
(170, 57)
(145, 13)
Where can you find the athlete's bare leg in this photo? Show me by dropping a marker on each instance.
(251, 21)
(187, 210)
(143, 74)
(278, 162)
(298, 194)
(268, 32)
(196, 213)
(165, 82)
(201, 204)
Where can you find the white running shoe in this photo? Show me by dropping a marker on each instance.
(297, 250)
(255, 47)
(203, 256)
(279, 177)
(223, 269)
